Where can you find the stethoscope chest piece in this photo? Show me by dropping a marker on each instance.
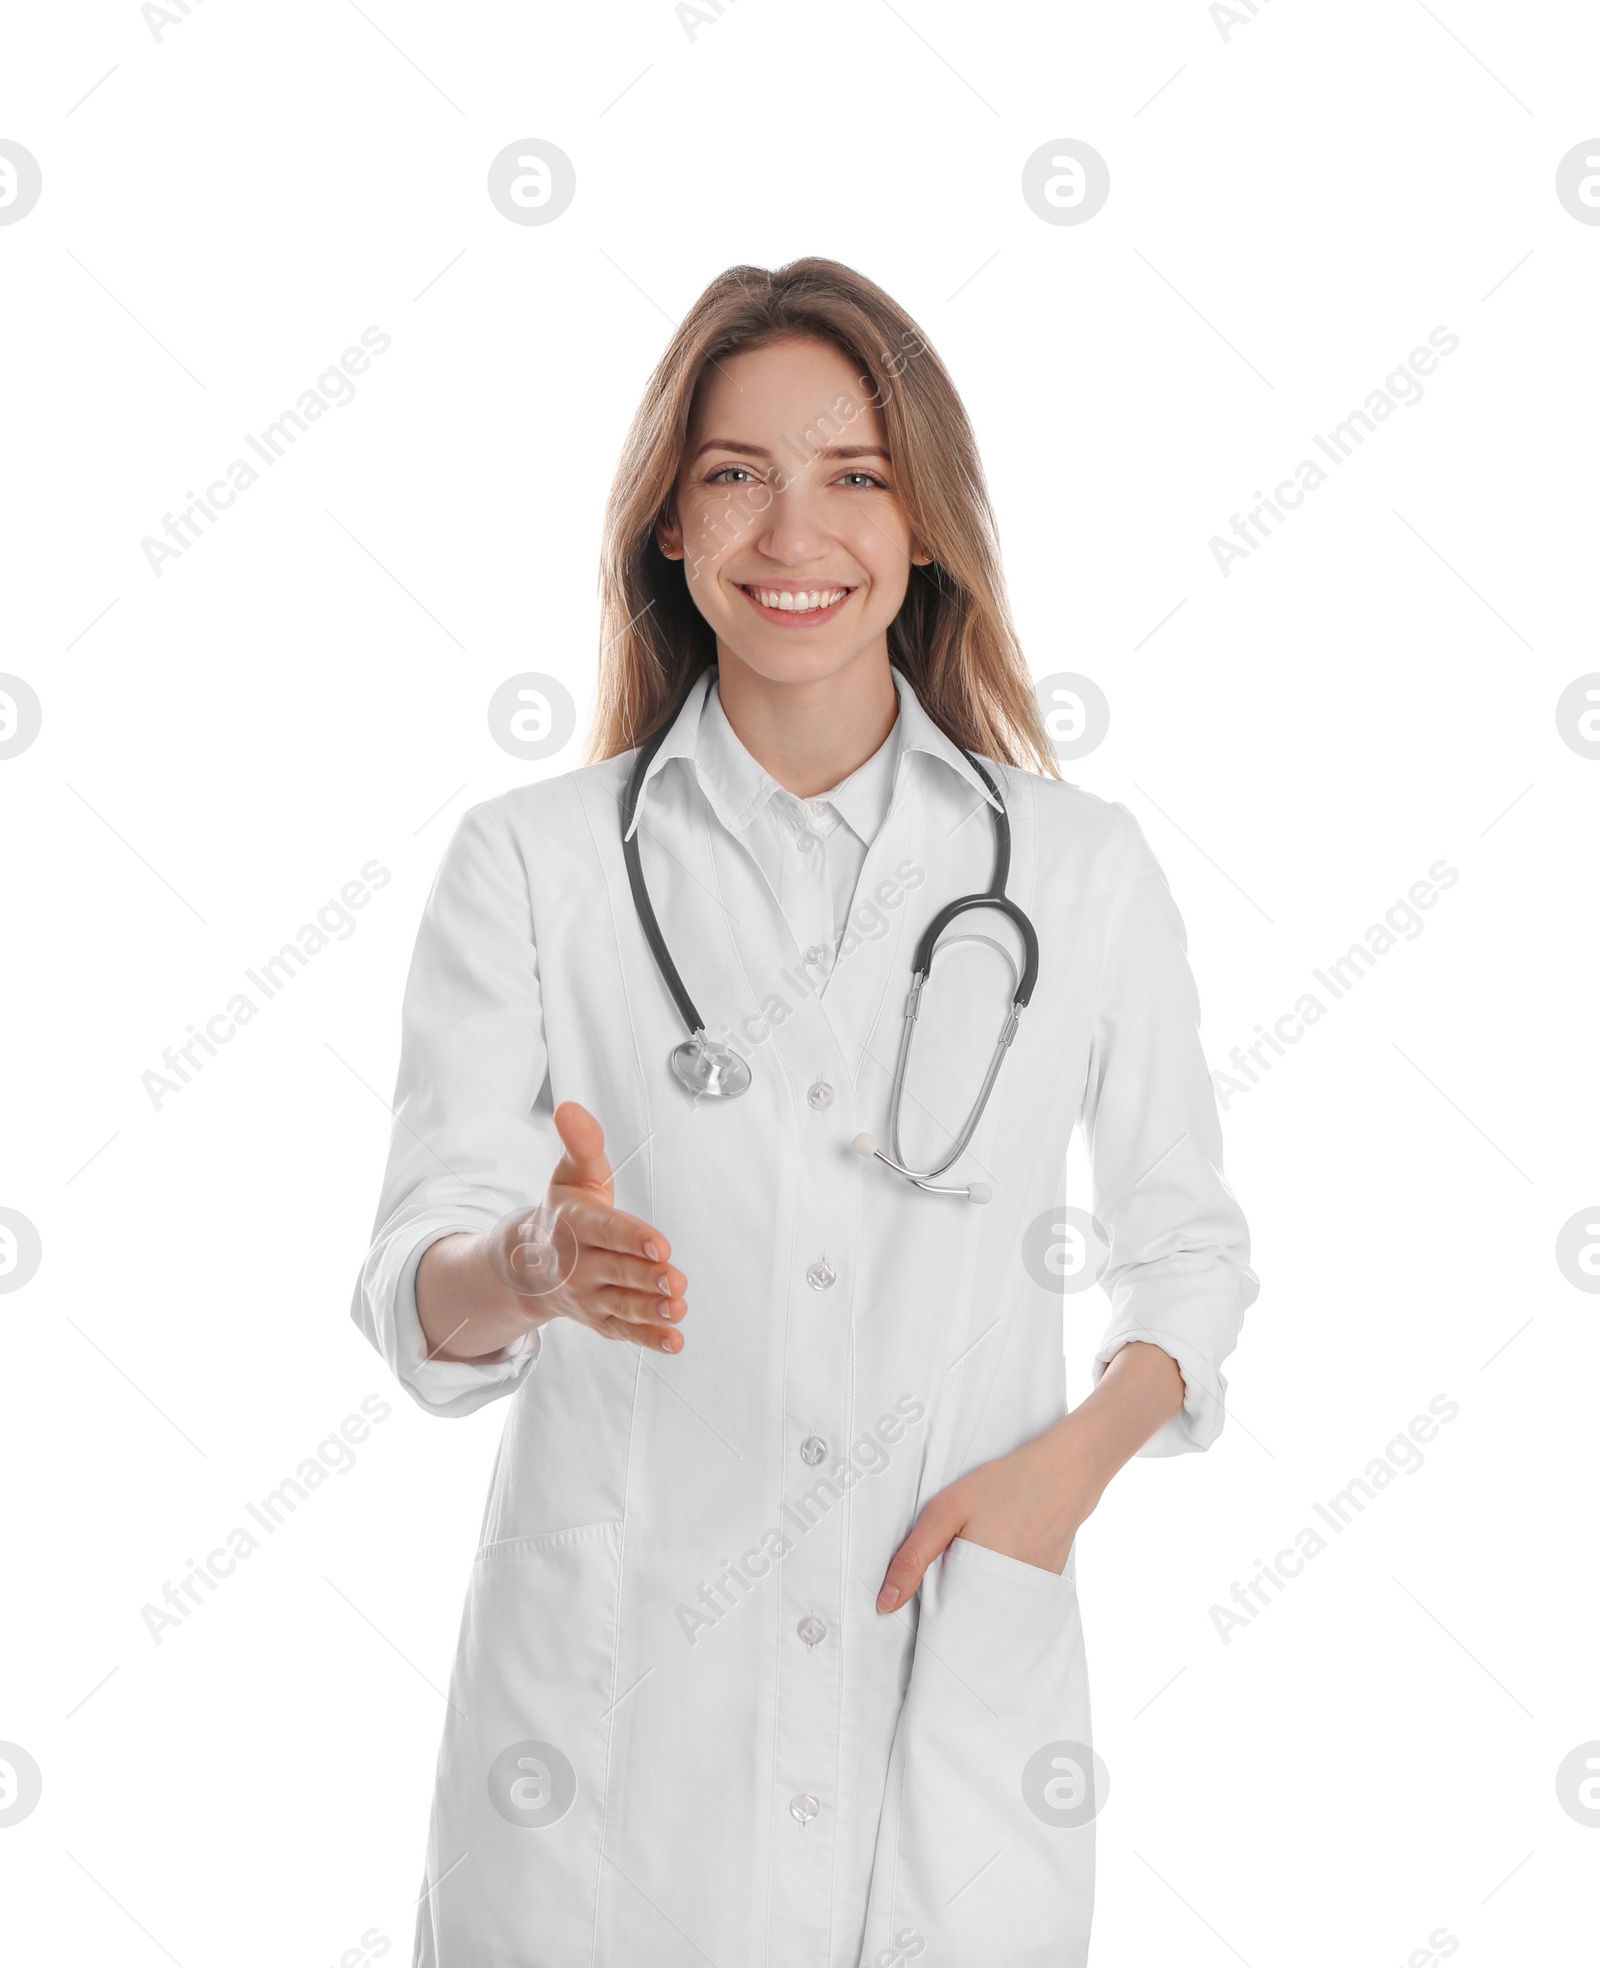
(707, 1067)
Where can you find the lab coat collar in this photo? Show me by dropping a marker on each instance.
(923, 735)
(918, 733)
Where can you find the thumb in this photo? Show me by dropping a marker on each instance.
(939, 1522)
(584, 1165)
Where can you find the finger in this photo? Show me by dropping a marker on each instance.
(636, 1308)
(663, 1339)
(636, 1274)
(933, 1530)
(584, 1165)
(604, 1228)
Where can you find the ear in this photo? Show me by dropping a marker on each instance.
(669, 537)
(920, 557)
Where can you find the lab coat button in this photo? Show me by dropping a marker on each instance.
(803, 1809)
(820, 1095)
(812, 1450)
(821, 1275)
(811, 1630)
(806, 842)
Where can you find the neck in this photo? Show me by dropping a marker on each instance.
(812, 733)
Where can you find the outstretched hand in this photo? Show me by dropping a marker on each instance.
(617, 1280)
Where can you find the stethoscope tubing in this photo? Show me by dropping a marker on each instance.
(994, 897)
(641, 894)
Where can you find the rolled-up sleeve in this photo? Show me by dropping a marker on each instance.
(1178, 1273)
(473, 1136)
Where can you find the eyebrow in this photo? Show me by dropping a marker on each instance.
(760, 450)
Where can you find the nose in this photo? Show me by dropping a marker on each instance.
(794, 532)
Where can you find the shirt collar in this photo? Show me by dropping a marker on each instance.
(745, 787)
(737, 785)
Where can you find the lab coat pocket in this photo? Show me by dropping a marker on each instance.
(986, 1844)
(519, 1807)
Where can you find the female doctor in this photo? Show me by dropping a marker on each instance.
(771, 1651)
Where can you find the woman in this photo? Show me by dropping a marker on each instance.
(771, 1652)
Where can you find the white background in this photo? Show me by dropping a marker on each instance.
(1373, 1758)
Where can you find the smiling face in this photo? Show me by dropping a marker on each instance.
(795, 545)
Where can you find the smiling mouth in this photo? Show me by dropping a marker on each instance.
(808, 604)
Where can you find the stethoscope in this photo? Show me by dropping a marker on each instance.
(707, 1066)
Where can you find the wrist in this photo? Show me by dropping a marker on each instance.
(1080, 1464)
(510, 1311)
(467, 1312)
(1140, 1389)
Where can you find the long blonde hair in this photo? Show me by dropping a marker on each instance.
(953, 638)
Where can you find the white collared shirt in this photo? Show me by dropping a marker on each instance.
(811, 850)
(679, 1729)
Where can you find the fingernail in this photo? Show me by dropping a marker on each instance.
(888, 1598)
(652, 1253)
(664, 1285)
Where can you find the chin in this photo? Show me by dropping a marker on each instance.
(785, 665)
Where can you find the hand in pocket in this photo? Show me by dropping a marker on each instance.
(1027, 1506)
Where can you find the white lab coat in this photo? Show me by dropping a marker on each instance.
(680, 1732)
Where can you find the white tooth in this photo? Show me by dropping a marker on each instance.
(792, 601)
